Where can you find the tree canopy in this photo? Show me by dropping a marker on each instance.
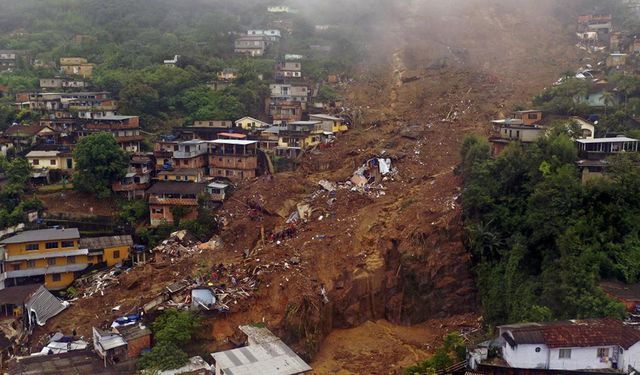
(99, 162)
(542, 240)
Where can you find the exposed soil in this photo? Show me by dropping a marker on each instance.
(399, 255)
(77, 205)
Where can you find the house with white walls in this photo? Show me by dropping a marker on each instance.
(594, 344)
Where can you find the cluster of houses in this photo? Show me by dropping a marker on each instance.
(528, 126)
(258, 351)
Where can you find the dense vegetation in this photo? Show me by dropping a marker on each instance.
(541, 239)
(13, 205)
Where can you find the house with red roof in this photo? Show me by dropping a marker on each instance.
(599, 345)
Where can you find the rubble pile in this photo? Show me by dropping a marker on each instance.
(97, 282)
(179, 244)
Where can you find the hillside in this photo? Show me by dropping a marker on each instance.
(394, 253)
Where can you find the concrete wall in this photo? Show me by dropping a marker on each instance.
(525, 356)
(581, 359)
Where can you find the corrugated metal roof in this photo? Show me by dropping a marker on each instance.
(44, 305)
(272, 358)
(17, 295)
(43, 235)
(106, 242)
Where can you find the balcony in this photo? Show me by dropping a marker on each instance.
(189, 154)
(46, 270)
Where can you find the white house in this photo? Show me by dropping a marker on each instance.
(594, 344)
(272, 35)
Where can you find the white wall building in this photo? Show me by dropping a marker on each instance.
(595, 344)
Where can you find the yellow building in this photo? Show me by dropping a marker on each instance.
(111, 250)
(250, 123)
(330, 123)
(49, 256)
(184, 175)
(51, 160)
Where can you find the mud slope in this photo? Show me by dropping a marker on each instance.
(435, 73)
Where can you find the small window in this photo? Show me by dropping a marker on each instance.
(31, 264)
(157, 210)
(36, 162)
(52, 161)
(603, 352)
(33, 246)
(56, 277)
(16, 267)
(51, 245)
(51, 261)
(71, 260)
(538, 349)
(116, 254)
(67, 244)
(564, 354)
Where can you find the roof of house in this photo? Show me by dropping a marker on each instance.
(17, 295)
(629, 292)
(42, 154)
(44, 305)
(250, 118)
(575, 333)
(607, 140)
(25, 130)
(116, 118)
(238, 142)
(106, 242)
(271, 358)
(326, 117)
(74, 362)
(217, 185)
(133, 332)
(172, 187)
(181, 172)
(43, 235)
(108, 340)
(233, 135)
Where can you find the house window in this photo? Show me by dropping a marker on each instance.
(16, 267)
(51, 261)
(532, 116)
(564, 354)
(157, 210)
(116, 254)
(51, 245)
(56, 277)
(52, 161)
(71, 260)
(31, 264)
(67, 244)
(36, 162)
(603, 352)
(33, 246)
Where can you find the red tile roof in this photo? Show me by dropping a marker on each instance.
(576, 333)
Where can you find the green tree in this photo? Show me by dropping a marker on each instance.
(172, 329)
(99, 162)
